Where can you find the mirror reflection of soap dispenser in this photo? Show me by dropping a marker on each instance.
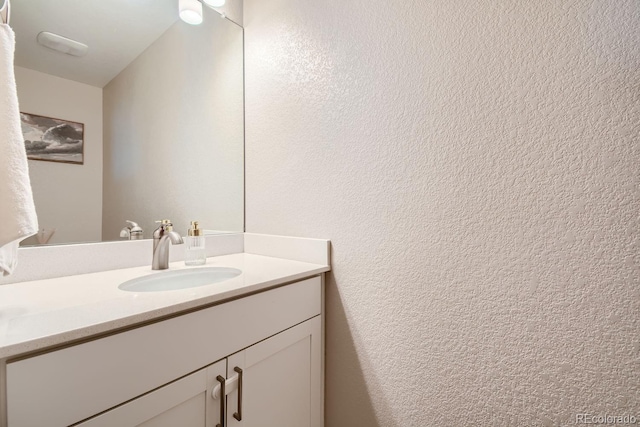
(195, 253)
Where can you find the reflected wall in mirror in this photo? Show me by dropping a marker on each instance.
(161, 102)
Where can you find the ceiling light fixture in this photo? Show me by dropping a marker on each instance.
(190, 11)
(62, 44)
(215, 3)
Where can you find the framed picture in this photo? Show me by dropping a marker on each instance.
(53, 140)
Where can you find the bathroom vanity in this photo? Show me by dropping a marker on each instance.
(247, 351)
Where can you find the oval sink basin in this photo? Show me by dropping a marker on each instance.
(181, 279)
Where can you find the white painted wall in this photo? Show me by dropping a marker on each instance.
(174, 132)
(475, 165)
(68, 197)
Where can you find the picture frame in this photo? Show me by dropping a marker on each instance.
(53, 140)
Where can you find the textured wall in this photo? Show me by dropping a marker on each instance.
(173, 140)
(68, 197)
(476, 166)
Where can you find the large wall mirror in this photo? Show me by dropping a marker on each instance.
(147, 124)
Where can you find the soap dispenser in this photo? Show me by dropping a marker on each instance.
(195, 253)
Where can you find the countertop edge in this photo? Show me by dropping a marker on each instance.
(90, 332)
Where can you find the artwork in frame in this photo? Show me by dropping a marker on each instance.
(53, 140)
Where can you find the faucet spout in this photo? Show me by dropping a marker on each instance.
(163, 237)
(175, 238)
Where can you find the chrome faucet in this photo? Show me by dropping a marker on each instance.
(162, 237)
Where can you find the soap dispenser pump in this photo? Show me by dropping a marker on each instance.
(195, 253)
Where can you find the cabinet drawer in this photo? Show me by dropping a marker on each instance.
(88, 378)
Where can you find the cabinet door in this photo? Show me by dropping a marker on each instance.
(184, 402)
(281, 383)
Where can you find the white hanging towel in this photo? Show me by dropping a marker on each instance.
(17, 211)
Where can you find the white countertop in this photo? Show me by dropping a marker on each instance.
(45, 313)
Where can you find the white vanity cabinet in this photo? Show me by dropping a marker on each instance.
(276, 382)
(167, 373)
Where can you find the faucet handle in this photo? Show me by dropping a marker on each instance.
(134, 227)
(165, 224)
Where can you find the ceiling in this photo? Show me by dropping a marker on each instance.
(116, 31)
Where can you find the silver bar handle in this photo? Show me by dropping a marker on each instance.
(238, 415)
(223, 397)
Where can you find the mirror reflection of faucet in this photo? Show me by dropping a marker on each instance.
(132, 232)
